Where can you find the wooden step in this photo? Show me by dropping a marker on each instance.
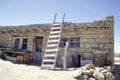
(53, 40)
(49, 55)
(51, 50)
(54, 32)
(56, 24)
(53, 28)
(47, 66)
(54, 36)
(48, 60)
(51, 45)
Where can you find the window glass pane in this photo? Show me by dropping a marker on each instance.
(25, 41)
(63, 42)
(16, 43)
(75, 42)
(24, 44)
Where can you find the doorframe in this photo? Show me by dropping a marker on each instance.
(35, 43)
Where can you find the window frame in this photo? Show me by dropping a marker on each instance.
(74, 42)
(62, 43)
(20, 42)
(24, 43)
(69, 41)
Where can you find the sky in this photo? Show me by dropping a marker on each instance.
(22, 12)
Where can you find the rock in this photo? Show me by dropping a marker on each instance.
(109, 68)
(97, 69)
(90, 66)
(77, 73)
(84, 77)
(101, 68)
(87, 72)
(113, 77)
(107, 74)
(98, 75)
(92, 70)
(92, 78)
(108, 79)
(83, 68)
(103, 71)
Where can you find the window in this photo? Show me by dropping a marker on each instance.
(63, 42)
(75, 42)
(24, 43)
(20, 43)
(16, 43)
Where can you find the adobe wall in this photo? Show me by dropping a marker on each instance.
(96, 34)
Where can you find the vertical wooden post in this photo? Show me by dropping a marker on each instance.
(55, 17)
(65, 56)
(63, 17)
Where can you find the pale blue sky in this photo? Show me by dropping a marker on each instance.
(18, 12)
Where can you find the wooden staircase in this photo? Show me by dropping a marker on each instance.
(52, 48)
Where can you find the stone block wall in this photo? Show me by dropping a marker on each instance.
(97, 34)
(5, 40)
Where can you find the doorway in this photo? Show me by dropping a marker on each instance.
(38, 50)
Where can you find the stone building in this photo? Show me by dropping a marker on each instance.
(82, 38)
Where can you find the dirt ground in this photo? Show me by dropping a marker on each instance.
(12, 71)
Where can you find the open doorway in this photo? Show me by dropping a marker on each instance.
(38, 50)
(76, 60)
